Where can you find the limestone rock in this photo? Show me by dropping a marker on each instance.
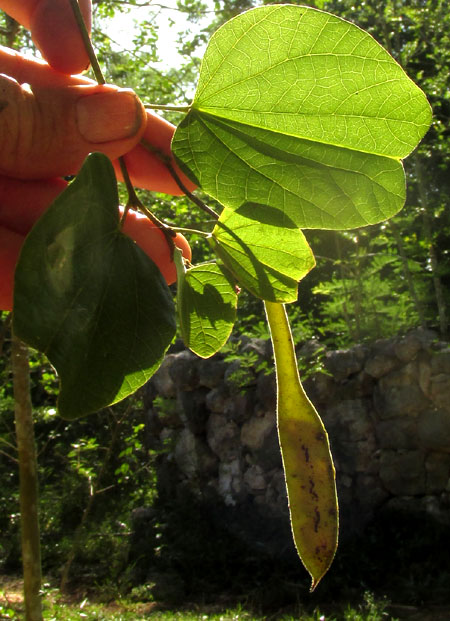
(266, 391)
(230, 481)
(193, 457)
(211, 372)
(192, 408)
(162, 380)
(408, 347)
(440, 363)
(223, 437)
(398, 433)
(254, 478)
(345, 362)
(403, 472)
(399, 394)
(184, 370)
(255, 431)
(437, 467)
(381, 364)
(433, 428)
(440, 391)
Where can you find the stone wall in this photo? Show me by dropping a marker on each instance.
(386, 407)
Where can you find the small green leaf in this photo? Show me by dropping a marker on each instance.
(305, 112)
(207, 308)
(264, 249)
(89, 298)
(307, 461)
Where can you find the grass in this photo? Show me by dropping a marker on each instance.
(57, 607)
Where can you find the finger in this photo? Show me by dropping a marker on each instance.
(23, 202)
(21, 11)
(54, 30)
(147, 170)
(26, 70)
(49, 132)
(10, 245)
(21, 205)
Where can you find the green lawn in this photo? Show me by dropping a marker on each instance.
(60, 608)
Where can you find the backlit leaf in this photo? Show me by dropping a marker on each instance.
(264, 249)
(305, 112)
(89, 298)
(207, 308)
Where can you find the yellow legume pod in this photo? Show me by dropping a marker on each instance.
(307, 461)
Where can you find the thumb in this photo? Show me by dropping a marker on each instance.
(49, 131)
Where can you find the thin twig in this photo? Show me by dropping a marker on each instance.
(170, 108)
(12, 446)
(182, 229)
(167, 161)
(16, 461)
(136, 203)
(87, 42)
(133, 200)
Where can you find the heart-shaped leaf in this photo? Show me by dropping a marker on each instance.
(89, 298)
(207, 303)
(302, 111)
(264, 249)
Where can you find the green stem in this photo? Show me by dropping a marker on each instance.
(167, 161)
(184, 109)
(87, 42)
(180, 229)
(133, 200)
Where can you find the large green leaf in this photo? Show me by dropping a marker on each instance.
(87, 296)
(207, 301)
(302, 111)
(264, 249)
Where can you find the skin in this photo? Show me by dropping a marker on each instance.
(36, 15)
(50, 120)
(153, 242)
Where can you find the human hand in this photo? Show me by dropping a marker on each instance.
(49, 127)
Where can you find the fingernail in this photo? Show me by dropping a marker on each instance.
(105, 117)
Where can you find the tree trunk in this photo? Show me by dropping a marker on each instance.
(28, 482)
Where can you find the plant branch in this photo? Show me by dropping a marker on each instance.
(9, 444)
(185, 109)
(182, 229)
(136, 203)
(87, 42)
(16, 461)
(167, 161)
(133, 200)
